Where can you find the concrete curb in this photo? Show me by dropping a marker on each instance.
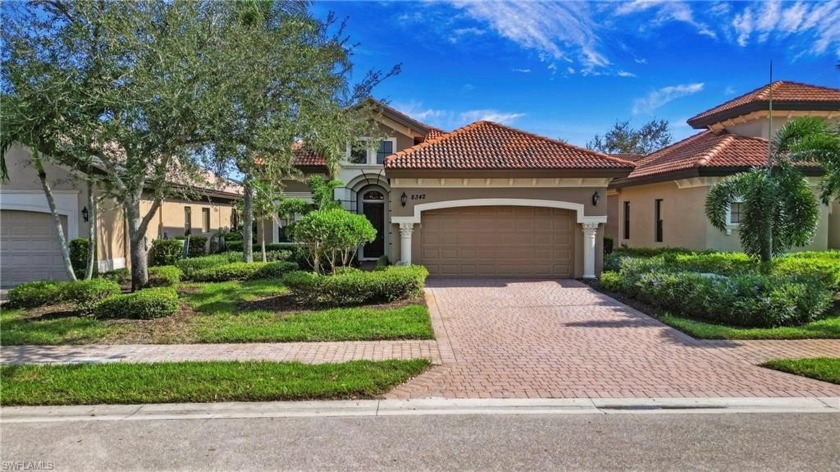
(431, 406)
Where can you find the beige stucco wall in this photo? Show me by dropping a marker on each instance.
(834, 226)
(581, 195)
(169, 219)
(684, 219)
(683, 216)
(760, 127)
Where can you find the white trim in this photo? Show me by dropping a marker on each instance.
(66, 202)
(695, 182)
(371, 152)
(590, 231)
(106, 265)
(729, 224)
(473, 202)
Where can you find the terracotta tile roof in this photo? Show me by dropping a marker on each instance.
(628, 156)
(435, 133)
(486, 145)
(704, 150)
(786, 96)
(305, 157)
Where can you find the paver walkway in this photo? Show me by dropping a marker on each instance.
(310, 353)
(514, 338)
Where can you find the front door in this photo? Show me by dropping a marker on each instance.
(375, 213)
(373, 207)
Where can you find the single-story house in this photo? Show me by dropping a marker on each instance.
(662, 201)
(484, 200)
(29, 248)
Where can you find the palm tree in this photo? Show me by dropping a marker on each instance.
(778, 208)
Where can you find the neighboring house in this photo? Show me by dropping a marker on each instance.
(662, 202)
(484, 200)
(29, 248)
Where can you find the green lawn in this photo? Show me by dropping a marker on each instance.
(828, 328)
(254, 311)
(88, 384)
(826, 369)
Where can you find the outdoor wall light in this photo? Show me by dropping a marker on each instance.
(596, 197)
(403, 199)
(85, 214)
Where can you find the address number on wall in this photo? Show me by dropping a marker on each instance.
(418, 196)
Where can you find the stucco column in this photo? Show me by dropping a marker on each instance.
(406, 229)
(590, 230)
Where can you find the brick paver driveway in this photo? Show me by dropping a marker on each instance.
(513, 338)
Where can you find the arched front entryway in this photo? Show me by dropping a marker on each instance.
(373, 204)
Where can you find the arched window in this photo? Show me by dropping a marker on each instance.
(373, 195)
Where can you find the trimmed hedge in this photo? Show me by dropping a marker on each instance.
(198, 246)
(145, 304)
(164, 276)
(243, 271)
(740, 299)
(166, 252)
(86, 294)
(79, 255)
(120, 276)
(355, 287)
(189, 266)
(39, 293)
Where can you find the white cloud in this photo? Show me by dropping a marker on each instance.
(640, 61)
(729, 90)
(555, 30)
(490, 115)
(666, 12)
(523, 71)
(657, 98)
(624, 73)
(417, 111)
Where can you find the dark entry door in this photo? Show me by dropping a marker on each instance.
(375, 213)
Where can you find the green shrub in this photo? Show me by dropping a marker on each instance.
(86, 294)
(608, 244)
(79, 256)
(243, 271)
(164, 276)
(382, 262)
(189, 266)
(356, 287)
(120, 276)
(334, 234)
(198, 246)
(166, 252)
(145, 304)
(612, 282)
(39, 293)
(825, 267)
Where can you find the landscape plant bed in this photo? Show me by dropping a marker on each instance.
(254, 311)
(124, 383)
(826, 369)
(827, 328)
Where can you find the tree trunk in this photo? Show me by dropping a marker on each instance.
(91, 262)
(262, 237)
(136, 247)
(248, 218)
(62, 241)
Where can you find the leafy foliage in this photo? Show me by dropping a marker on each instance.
(166, 252)
(357, 287)
(86, 294)
(79, 249)
(812, 139)
(38, 293)
(164, 276)
(243, 271)
(624, 139)
(333, 234)
(145, 304)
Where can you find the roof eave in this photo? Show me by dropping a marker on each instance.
(703, 122)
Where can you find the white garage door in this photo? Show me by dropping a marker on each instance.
(29, 248)
(498, 241)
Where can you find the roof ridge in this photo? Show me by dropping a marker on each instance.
(429, 142)
(725, 142)
(562, 143)
(650, 157)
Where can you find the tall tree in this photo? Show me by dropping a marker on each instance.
(622, 138)
(297, 86)
(812, 139)
(778, 207)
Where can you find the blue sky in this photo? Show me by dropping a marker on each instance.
(570, 70)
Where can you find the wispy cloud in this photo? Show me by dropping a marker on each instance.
(666, 12)
(490, 115)
(523, 71)
(555, 30)
(818, 23)
(657, 98)
(624, 73)
(729, 90)
(451, 119)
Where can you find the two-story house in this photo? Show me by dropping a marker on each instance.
(662, 201)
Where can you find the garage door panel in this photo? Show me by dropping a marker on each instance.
(497, 241)
(29, 248)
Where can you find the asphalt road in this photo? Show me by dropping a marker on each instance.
(741, 442)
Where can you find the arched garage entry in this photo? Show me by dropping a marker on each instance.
(500, 237)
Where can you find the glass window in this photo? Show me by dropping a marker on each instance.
(626, 220)
(373, 195)
(735, 213)
(386, 148)
(658, 218)
(205, 220)
(358, 156)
